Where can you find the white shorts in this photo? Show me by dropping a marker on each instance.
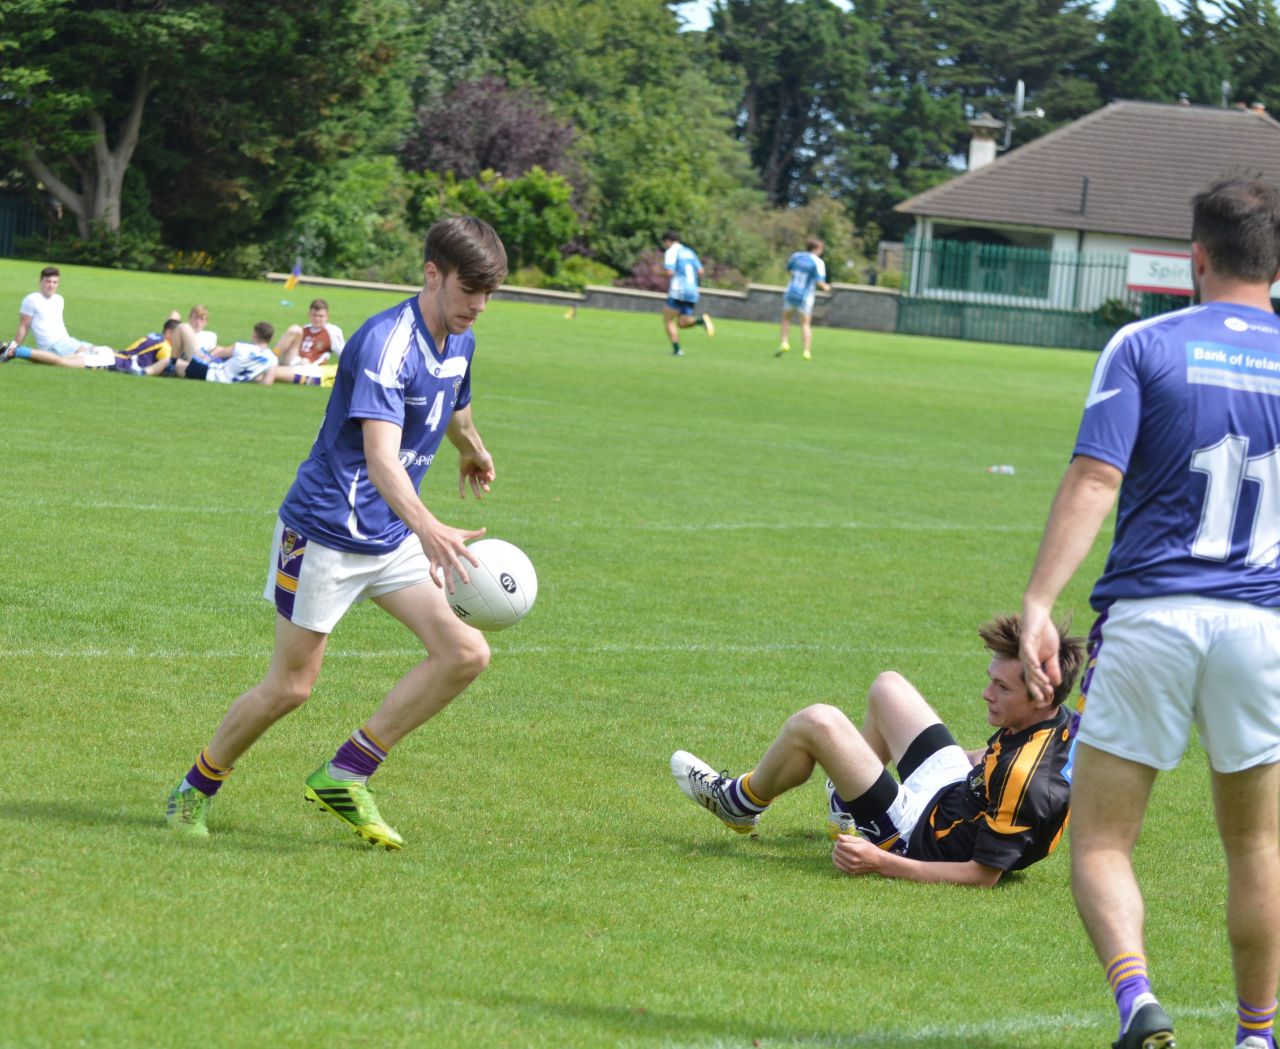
(1164, 663)
(940, 769)
(99, 357)
(312, 586)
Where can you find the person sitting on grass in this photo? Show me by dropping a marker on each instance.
(148, 355)
(193, 339)
(241, 362)
(308, 355)
(965, 817)
(41, 314)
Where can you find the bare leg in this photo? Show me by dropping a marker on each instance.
(185, 341)
(1246, 807)
(1108, 801)
(287, 350)
(786, 327)
(295, 665)
(669, 323)
(806, 331)
(896, 715)
(818, 735)
(458, 654)
(71, 360)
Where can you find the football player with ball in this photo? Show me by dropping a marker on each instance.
(353, 527)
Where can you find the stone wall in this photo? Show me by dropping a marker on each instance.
(846, 306)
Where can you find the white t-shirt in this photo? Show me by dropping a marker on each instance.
(47, 325)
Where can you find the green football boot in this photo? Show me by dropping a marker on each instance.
(351, 800)
(187, 812)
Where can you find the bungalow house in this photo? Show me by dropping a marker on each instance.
(1057, 241)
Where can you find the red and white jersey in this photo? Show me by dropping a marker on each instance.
(319, 343)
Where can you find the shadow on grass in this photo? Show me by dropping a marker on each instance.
(801, 849)
(246, 839)
(619, 1022)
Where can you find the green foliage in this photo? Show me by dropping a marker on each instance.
(531, 213)
(573, 274)
(355, 225)
(1141, 27)
(803, 66)
(1115, 313)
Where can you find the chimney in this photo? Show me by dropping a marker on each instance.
(982, 147)
(1259, 108)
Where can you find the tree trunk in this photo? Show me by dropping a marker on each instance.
(101, 171)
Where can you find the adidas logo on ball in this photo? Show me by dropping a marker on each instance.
(502, 587)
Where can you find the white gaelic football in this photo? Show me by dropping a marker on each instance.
(502, 587)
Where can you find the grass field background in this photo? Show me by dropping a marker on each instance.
(720, 540)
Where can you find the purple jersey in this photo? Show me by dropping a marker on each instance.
(390, 370)
(1187, 404)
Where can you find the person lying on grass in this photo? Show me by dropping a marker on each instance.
(957, 816)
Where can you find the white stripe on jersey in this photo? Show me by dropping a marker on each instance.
(1096, 393)
(394, 351)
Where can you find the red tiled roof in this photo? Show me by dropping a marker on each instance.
(1144, 161)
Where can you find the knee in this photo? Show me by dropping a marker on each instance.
(293, 331)
(887, 684)
(286, 697)
(469, 657)
(821, 720)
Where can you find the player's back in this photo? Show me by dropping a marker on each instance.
(1187, 405)
(806, 270)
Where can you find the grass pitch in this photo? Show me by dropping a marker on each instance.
(720, 540)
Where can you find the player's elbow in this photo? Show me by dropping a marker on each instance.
(984, 877)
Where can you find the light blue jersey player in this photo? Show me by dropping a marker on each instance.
(354, 527)
(685, 268)
(808, 274)
(1182, 419)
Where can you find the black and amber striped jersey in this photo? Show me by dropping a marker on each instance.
(1012, 808)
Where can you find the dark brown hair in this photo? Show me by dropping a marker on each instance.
(469, 247)
(1237, 222)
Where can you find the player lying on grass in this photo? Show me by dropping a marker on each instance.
(148, 355)
(242, 362)
(957, 816)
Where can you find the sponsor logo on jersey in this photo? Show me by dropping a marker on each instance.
(409, 458)
(415, 400)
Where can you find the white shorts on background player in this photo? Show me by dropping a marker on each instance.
(1166, 663)
(99, 357)
(331, 581)
(803, 304)
(940, 769)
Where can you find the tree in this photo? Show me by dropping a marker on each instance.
(231, 106)
(75, 79)
(802, 68)
(507, 130)
(257, 115)
(1249, 34)
(1140, 56)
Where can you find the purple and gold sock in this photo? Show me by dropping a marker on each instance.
(1127, 975)
(1254, 1021)
(359, 757)
(206, 775)
(741, 799)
